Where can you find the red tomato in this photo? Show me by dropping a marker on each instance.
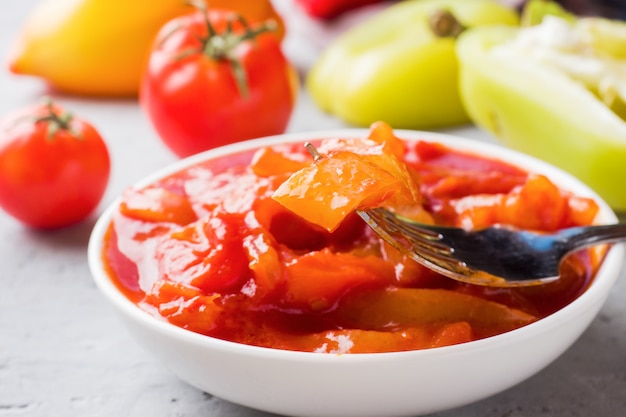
(206, 85)
(54, 168)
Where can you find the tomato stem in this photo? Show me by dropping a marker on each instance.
(445, 25)
(56, 121)
(221, 46)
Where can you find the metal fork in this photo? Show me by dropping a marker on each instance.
(495, 256)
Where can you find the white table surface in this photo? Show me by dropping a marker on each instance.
(63, 352)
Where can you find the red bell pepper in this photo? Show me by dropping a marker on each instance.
(328, 9)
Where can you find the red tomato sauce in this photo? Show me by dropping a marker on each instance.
(209, 250)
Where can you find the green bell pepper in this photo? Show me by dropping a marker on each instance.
(393, 67)
(556, 90)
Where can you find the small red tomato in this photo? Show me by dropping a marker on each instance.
(214, 79)
(54, 168)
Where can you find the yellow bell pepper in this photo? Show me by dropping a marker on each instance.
(556, 90)
(99, 47)
(400, 67)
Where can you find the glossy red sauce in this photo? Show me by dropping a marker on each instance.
(209, 250)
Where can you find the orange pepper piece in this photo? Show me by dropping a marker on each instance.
(354, 173)
(157, 205)
(374, 310)
(271, 161)
(330, 189)
(313, 286)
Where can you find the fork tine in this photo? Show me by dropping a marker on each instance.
(465, 255)
(386, 215)
(428, 241)
(424, 246)
(420, 246)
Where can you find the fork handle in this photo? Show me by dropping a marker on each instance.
(579, 237)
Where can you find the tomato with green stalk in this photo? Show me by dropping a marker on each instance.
(54, 167)
(212, 78)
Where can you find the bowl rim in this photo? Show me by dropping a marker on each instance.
(594, 294)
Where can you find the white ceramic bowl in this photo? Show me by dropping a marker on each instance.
(361, 385)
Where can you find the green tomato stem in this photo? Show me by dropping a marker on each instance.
(221, 46)
(56, 121)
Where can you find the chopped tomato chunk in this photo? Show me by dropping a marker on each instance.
(535, 205)
(185, 306)
(207, 254)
